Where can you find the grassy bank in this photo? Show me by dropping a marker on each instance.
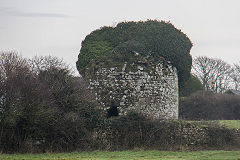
(230, 123)
(199, 155)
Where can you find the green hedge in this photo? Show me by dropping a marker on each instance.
(135, 131)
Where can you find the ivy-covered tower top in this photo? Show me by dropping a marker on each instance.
(150, 38)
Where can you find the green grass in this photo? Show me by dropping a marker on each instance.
(129, 155)
(226, 123)
(230, 123)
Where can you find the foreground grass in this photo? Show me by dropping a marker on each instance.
(142, 155)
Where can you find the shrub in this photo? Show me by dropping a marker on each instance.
(204, 105)
(43, 107)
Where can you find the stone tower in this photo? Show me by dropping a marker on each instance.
(148, 88)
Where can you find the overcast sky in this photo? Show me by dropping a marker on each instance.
(57, 27)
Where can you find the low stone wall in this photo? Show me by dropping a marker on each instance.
(150, 90)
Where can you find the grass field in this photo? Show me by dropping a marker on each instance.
(227, 123)
(230, 123)
(130, 155)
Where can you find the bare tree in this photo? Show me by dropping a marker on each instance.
(236, 76)
(13, 71)
(44, 63)
(11, 63)
(215, 74)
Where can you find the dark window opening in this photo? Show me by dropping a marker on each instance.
(112, 111)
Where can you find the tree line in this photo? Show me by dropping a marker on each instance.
(216, 101)
(216, 75)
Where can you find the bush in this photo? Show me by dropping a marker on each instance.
(204, 105)
(43, 107)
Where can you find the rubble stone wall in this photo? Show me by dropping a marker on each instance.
(150, 90)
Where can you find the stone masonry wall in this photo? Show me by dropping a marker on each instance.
(151, 91)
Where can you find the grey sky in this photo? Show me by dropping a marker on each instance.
(57, 27)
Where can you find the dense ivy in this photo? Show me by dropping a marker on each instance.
(150, 38)
(192, 85)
